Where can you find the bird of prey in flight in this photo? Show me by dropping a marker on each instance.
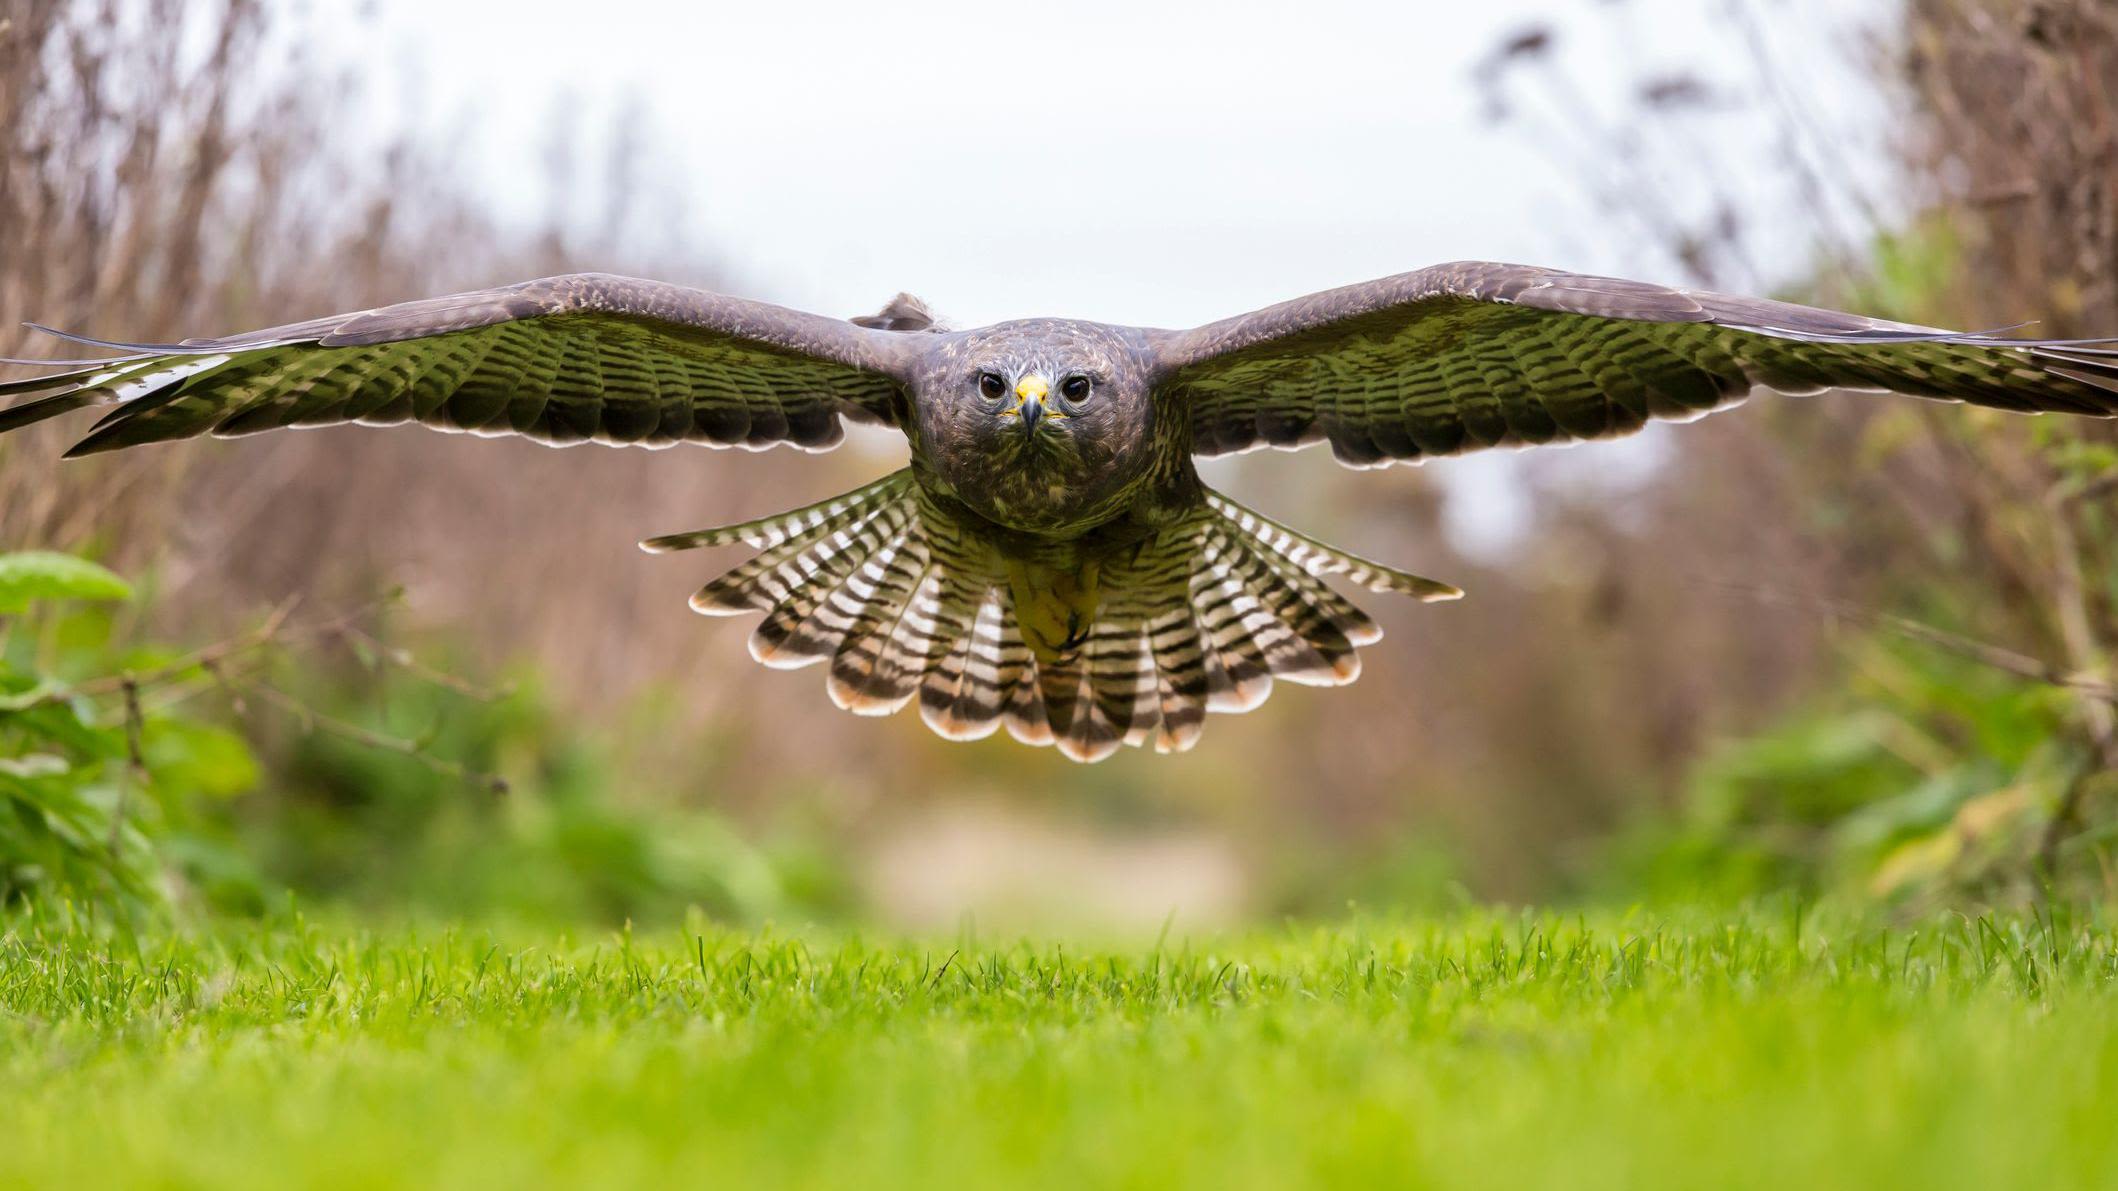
(1048, 558)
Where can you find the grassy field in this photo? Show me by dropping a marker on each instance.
(1477, 1051)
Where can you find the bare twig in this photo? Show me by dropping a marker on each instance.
(236, 667)
(314, 720)
(273, 632)
(265, 634)
(403, 659)
(216, 671)
(2097, 690)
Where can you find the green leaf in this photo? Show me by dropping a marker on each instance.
(199, 758)
(35, 765)
(48, 575)
(44, 691)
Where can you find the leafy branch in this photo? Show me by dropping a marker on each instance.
(76, 765)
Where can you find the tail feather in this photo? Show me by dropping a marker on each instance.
(1062, 690)
(1148, 690)
(867, 597)
(1143, 696)
(1291, 639)
(907, 602)
(1319, 600)
(1326, 655)
(1320, 559)
(1027, 718)
(937, 617)
(1106, 704)
(768, 579)
(807, 522)
(959, 697)
(804, 627)
(1181, 678)
(878, 663)
(1241, 675)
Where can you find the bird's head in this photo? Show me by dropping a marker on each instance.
(1040, 425)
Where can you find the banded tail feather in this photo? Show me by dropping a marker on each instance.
(907, 598)
(1317, 558)
(779, 528)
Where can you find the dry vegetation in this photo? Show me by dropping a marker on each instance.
(1983, 534)
(157, 190)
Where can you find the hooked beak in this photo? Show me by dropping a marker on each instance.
(1030, 393)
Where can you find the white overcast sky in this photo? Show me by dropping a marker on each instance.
(1162, 164)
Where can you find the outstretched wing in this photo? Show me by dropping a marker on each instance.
(1470, 355)
(579, 358)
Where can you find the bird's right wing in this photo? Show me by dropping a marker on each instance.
(577, 358)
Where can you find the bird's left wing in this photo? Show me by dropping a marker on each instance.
(579, 358)
(1464, 356)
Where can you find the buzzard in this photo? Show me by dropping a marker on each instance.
(1048, 558)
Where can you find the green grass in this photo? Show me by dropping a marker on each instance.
(1684, 1052)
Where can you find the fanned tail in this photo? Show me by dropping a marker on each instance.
(907, 600)
(1317, 558)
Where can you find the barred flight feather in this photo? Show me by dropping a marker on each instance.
(563, 360)
(908, 599)
(1121, 602)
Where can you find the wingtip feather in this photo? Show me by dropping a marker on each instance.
(29, 413)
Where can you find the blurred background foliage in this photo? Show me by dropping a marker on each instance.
(1847, 647)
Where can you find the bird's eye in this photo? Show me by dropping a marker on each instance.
(990, 384)
(1074, 388)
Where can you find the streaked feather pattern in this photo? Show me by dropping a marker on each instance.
(1057, 571)
(907, 598)
(579, 358)
(1465, 356)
